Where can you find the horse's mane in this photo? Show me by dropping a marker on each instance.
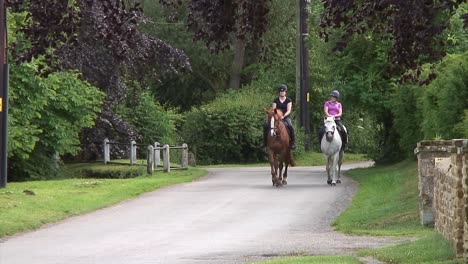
(279, 112)
(274, 111)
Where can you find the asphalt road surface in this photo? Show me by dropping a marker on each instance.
(233, 215)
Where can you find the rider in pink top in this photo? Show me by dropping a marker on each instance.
(333, 108)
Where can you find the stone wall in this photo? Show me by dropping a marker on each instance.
(443, 189)
(429, 152)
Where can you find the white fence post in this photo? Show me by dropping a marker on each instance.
(150, 160)
(184, 156)
(133, 149)
(166, 157)
(157, 155)
(106, 151)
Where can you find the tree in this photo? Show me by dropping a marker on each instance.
(228, 24)
(414, 27)
(102, 40)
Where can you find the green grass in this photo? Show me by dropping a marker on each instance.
(55, 200)
(313, 260)
(430, 249)
(386, 202)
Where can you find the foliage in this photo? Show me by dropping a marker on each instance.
(154, 122)
(209, 72)
(46, 114)
(407, 117)
(276, 60)
(445, 99)
(228, 129)
(216, 22)
(101, 39)
(464, 125)
(456, 33)
(413, 27)
(364, 90)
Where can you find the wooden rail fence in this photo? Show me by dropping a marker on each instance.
(153, 155)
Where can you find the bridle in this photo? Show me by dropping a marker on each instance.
(331, 132)
(274, 123)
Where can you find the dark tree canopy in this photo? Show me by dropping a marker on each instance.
(101, 39)
(219, 22)
(414, 27)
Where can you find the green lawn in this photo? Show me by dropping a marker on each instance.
(385, 204)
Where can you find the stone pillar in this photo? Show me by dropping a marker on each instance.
(184, 161)
(157, 154)
(150, 160)
(464, 150)
(429, 153)
(191, 160)
(106, 151)
(133, 151)
(166, 159)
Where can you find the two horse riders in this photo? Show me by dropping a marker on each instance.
(285, 105)
(333, 108)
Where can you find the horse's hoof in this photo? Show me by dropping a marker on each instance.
(338, 181)
(284, 182)
(329, 182)
(333, 184)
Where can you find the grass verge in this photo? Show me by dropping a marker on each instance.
(29, 205)
(386, 202)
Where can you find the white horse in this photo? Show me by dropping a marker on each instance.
(331, 149)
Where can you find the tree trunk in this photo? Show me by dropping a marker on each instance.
(237, 64)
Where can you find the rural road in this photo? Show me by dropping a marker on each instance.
(233, 215)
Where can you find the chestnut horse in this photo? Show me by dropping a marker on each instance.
(279, 153)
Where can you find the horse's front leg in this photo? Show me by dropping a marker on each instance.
(280, 173)
(285, 173)
(340, 161)
(334, 168)
(327, 167)
(272, 160)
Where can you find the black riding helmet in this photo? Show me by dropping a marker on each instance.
(282, 87)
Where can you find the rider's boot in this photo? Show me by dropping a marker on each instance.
(292, 143)
(265, 135)
(344, 136)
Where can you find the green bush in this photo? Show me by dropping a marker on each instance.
(46, 115)
(154, 122)
(407, 118)
(228, 129)
(114, 172)
(445, 99)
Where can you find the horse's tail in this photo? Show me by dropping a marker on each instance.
(291, 160)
